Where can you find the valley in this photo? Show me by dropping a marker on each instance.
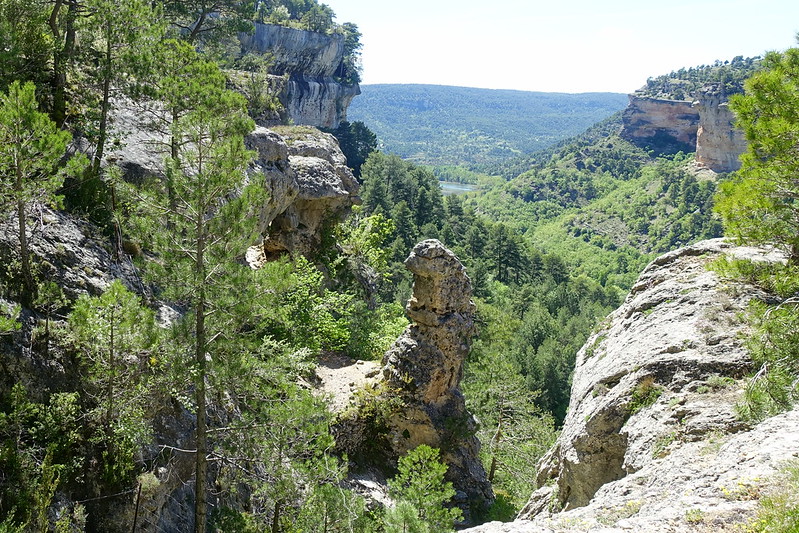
(241, 292)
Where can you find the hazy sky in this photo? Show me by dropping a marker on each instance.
(559, 45)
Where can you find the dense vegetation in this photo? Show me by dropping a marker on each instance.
(550, 252)
(438, 125)
(759, 206)
(727, 77)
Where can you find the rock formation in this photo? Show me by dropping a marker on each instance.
(667, 126)
(651, 441)
(312, 95)
(718, 141)
(309, 183)
(705, 126)
(303, 169)
(424, 367)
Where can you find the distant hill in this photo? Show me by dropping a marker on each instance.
(442, 125)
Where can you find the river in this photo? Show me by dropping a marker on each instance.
(453, 187)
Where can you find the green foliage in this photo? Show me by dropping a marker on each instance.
(778, 511)
(403, 518)
(25, 46)
(294, 306)
(116, 335)
(331, 508)
(514, 432)
(356, 141)
(31, 146)
(420, 483)
(436, 125)
(209, 22)
(759, 205)
(257, 86)
(774, 348)
(728, 77)
(37, 450)
(373, 331)
(645, 393)
(9, 318)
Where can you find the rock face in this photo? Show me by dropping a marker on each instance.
(651, 441)
(705, 126)
(718, 141)
(421, 377)
(667, 126)
(309, 183)
(426, 365)
(303, 169)
(312, 95)
(72, 253)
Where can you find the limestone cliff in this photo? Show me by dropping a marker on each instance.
(705, 126)
(312, 95)
(665, 125)
(718, 141)
(303, 169)
(651, 441)
(309, 183)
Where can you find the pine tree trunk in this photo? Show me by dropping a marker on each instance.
(104, 106)
(201, 467)
(27, 274)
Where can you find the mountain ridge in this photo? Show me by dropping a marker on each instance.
(449, 125)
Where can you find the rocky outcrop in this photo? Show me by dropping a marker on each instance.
(312, 95)
(421, 377)
(705, 126)
(303, 170)
(651, 441)
(69, 252)
(718, 142)
(426, 365)
(309, 183)
(666, 126)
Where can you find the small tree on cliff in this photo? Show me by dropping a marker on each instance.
(420, 483)
(30, 147)
(761, 203)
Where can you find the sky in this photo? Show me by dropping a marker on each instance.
(559, 45)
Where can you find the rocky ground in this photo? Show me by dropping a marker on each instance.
(652, 441)
(340, 377)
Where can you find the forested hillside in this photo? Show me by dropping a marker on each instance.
(439, 125)
(172, 276)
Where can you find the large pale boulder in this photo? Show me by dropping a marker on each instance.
(651, 441)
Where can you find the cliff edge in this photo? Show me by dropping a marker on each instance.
(652, 441)
(312, 94)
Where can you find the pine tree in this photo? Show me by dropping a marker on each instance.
(30, 148)
(201, 223)
(761, 203)
(420, 482)
(117, 335)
